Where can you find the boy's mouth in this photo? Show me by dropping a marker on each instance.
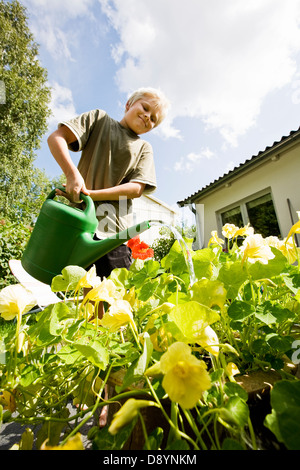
(144, 122)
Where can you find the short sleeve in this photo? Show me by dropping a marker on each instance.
(144, 171)
(82, 127)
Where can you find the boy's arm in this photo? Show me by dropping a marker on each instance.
(130, 190)
(58, 143)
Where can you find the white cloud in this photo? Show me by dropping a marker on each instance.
(190, 162)
(69, 9)
(53, 24)
(62, 104)
(215, 60)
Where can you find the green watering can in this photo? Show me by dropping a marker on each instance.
(63, 236)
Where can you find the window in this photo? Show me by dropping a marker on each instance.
(233, 216)
(262, 216)
(259, 212)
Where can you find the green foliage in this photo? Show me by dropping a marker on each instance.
(284, 421)
(239, 313)
(24, 112)
(13, 239)
(162, 245)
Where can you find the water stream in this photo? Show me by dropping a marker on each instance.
(185, 250)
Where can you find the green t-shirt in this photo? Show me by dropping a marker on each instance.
(111, 155)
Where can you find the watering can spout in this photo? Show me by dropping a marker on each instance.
(63, 236)
(88, 250)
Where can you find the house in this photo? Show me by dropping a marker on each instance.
(147, 207)
(263, 191)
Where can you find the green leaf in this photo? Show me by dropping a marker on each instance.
(59, 312)
(155, 439)
(233, 389)
(179, 444)
(236, 412)
(202, 260)
(120, 276)
(138, 367)
(192, 317)
(175, 254)
(210, 293)
(148, 289)
(232, 275)
(152, 267)
(279, 343)
(94, 352)
(265, 315)
(68, 279)
(273, 268)
(29, 374)
(103, 440)
(284, 421)
(231, 444)
(68, 354)
(240, 310)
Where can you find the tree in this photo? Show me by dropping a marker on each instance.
(24, 108)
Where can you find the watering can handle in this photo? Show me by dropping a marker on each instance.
(86, 199)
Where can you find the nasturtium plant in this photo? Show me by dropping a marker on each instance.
(174, 341)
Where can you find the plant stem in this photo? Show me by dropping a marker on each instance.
(144, 431)
(180, 433)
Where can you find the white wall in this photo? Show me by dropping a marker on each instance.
(148, 208)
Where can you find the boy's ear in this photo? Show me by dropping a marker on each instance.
(127, 106)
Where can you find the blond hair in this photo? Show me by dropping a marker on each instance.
(162, 101)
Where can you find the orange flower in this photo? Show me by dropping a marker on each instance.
(133, 242)
(143, 253)
(140, 250)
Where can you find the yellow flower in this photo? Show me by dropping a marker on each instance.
(185, 376)
(89, 280)
(232, 231)
(289, 250)
(215, 240)
(14, 301)
(106, 291)
(127, 413)
(255, 248)
(229, 230)
(74, 443)
(119, 314)
(232, 369)
(244, 231)
(208, 339)
(295, 229)
(286, 247)
(7, 400)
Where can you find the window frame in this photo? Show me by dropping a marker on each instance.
(242, 203)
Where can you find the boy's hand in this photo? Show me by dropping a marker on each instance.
(58, 143)
(73, 189)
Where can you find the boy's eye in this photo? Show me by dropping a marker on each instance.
(146, 108)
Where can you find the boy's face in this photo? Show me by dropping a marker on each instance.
(141, 116)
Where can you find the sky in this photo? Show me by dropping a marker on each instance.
(230, 69)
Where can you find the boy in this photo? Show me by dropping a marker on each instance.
(115, 165)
